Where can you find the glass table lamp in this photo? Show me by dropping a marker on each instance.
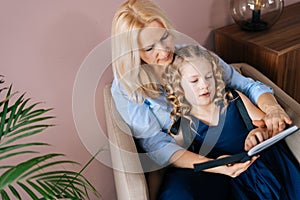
(256, 15)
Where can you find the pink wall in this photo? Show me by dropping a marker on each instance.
(43, 44)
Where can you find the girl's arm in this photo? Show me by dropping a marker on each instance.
(254, 112)
(276, 119)
(257, 135)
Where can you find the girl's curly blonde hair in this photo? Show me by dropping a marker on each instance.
(172, 77)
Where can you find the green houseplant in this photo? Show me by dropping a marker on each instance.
(36, 175)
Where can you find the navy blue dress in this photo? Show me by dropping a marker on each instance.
(274, 175)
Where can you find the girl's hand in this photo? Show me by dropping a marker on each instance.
(235, 169)
(255, 137)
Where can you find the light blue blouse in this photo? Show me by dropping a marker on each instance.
(150, 120)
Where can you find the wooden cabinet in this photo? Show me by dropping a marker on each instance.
(274, 52)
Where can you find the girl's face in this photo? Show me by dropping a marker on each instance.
(156, 44)
(198, 82)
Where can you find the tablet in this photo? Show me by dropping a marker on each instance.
(244, 156)
(269, 142)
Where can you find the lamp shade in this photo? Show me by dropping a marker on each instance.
(256, 15)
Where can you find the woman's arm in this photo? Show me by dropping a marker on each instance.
(275, 118)
(146, 122)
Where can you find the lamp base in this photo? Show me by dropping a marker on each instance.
(249, 25)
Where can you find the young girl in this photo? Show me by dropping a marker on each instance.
(195, 88)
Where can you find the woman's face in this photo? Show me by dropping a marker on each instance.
(198, 82)
(156, 44)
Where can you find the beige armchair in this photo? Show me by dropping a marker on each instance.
(129, 178)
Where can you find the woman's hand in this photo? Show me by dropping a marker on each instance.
(255, 137)
(235, 169)
(275, 121)
(275, 118)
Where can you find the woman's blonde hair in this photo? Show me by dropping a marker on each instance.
(130, 18)
(173, 77)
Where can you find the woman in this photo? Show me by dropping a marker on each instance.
(142, 34)
(197, 93)
(131, 89)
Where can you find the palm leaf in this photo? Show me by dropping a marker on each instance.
(28, 191)
(41, 167)
(4, 195)
(4, 112)
(35, 175)
(6, 149)
(14, 192)
(14, 173)
(13, 139)
(16, 153)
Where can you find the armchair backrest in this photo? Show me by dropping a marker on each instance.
(130, 181)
